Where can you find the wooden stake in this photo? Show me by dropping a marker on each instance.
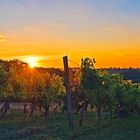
(67, 85)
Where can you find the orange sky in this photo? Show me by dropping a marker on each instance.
(50, 57)
(107, 31)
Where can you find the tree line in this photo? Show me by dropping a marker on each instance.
(92, 88)
(20, 83)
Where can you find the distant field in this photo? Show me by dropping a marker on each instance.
(16, 126)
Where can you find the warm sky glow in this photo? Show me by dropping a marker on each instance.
(48, 29)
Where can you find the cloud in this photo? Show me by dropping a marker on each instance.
(43, 28)
(2, 38)
(116, 29)
(38, 57)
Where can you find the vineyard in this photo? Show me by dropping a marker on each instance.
(35, 103)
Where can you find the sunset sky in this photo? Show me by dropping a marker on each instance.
(108, 30)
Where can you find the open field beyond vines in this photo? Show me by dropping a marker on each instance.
(17, 126)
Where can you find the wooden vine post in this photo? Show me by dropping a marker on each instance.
(68, 94)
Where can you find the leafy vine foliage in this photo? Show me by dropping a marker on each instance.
(102, 91)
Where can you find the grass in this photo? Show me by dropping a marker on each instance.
(15, 126)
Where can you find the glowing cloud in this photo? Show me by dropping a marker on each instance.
(2, 38)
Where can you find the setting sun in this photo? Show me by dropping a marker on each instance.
(32, 61)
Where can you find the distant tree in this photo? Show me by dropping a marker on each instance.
(3, 81)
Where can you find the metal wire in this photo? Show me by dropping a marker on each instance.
(74, 63)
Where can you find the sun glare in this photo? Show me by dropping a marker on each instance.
(32, 61)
